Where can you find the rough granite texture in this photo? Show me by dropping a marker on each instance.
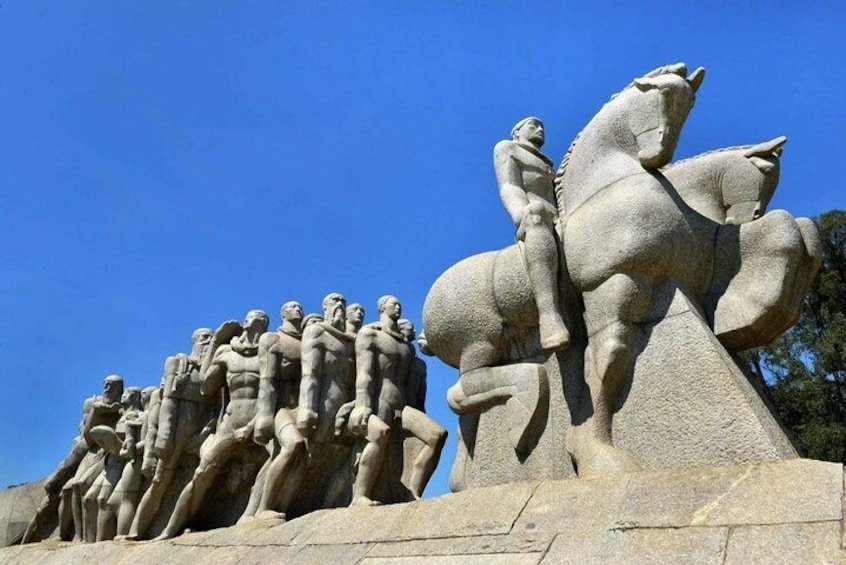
(768, 512)
(17, 507)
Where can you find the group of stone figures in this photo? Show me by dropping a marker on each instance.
(323, 412)
(600, 243)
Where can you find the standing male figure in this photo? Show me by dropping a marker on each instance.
(235, 365)
(327, 387)
(279, 386)
(99, 516)
(103, 410)
(184, 416)
(526, 185)
(384, 362)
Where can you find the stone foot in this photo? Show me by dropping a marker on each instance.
(594, 458)
(165, 535)
(270, 515)
(364, 501)
(554, 335)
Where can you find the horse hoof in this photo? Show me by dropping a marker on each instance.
(599, 459)
(556, 342)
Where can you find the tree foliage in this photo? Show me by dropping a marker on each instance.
(805, 369)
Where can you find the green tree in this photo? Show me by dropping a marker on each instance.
(805, 369)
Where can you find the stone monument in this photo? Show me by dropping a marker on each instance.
(603, 413)
(663, 271)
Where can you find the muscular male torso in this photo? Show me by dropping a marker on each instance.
(242, 379)
(393, 362)
(336, 376)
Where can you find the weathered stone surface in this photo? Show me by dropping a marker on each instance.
(797, 544)
(18, 506)
(489, 511)
(482, 559)
(473, 545)
(689, 404)
(658, 546)
(656, 389)
(560, 506)
(771, 512)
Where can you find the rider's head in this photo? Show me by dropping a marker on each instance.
(529, 130)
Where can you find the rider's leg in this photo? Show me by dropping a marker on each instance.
(541, 255)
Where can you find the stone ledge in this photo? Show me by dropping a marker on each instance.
(788, 511)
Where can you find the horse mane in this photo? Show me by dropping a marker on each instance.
(676, 68)
(705, 154)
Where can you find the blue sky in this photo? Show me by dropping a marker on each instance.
(170, 165)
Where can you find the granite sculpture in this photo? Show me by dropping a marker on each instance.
(103, 410)
(234, 364)
(636, 239)
(385, 373)
(118, 444)
(279, 386)
(260, 419)
(180, 418)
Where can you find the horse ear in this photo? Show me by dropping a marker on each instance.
(767, 148)
(696, 77)
(644, 83)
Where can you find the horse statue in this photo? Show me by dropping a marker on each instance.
(627, 227)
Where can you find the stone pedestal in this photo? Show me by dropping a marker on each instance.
(774, 512)
(689, 404)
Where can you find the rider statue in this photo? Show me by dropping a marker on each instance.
(525, 178)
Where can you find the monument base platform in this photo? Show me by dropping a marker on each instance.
(771, 512)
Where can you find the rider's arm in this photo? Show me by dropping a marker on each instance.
(510, 181)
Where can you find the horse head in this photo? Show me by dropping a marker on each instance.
(732, 185)
(663, 99)
(747, 190)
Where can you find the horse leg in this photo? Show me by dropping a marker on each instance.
(614, 315)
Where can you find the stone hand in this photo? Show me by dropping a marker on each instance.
(342, 417)
(242, 434)
(178, 381)
(148, 467)
(263, 431)
(358, 419)
(306, 421)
